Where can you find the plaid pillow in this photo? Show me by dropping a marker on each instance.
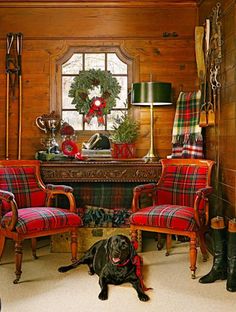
(23, 183)
(105, 217)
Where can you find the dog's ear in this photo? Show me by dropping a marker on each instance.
(107, 245)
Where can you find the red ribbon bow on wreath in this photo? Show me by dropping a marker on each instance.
(96, 109)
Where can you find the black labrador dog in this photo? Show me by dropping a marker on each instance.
(112, 260)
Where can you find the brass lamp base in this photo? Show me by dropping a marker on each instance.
(151, 157)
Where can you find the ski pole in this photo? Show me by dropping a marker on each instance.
(9, 42)
(19, 38)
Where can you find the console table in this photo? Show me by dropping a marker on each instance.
(102, 183)
(135, 170)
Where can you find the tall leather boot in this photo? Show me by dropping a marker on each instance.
(231, 267)
(219, 268)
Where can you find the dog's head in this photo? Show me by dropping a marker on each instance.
(120, 249)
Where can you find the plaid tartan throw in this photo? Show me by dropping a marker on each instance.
(187, 139)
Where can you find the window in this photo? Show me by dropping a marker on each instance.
(118, 65)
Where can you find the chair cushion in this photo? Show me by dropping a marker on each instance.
(39, 219)
(166, 216)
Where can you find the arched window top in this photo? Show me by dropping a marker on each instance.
(77, 59)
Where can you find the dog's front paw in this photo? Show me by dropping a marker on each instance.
(66, 268)
(103, 295)
(62, 269)
(91, 271)
(143, 297)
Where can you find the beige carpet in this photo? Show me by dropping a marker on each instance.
(43, 289)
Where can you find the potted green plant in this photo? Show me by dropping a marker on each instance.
(124, 135)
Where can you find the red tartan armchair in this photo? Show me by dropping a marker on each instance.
(179, 204)
(26, 208)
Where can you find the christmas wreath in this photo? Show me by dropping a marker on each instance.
(94, 93)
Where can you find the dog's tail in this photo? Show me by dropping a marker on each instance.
(66, 268)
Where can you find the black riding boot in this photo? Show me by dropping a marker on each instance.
(231, 268)
(219, 268)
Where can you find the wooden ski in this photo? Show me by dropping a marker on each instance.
(201, 70)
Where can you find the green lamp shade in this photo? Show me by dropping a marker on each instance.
(146, 93)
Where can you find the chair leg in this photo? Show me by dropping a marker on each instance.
(74, 245)
(2, 245)
(203, 246)
(159, 241)
(18, 260)
(134, 238)
(193, 255)
(168, 243)
(33, 246)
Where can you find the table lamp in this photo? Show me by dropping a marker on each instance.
(151, 94)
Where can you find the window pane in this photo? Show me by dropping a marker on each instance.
(73, 118)
(93, 125)
(66, 100)
(115, 65)
(73, 65)
(95, 60)
(122, 101)
(112, 117)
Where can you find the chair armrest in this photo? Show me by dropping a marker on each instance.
(54, 190)
(7, 196)
(202, 195)
(10, 198)
(59, 188)
(149, 190)
(145, 187)
(205, 192)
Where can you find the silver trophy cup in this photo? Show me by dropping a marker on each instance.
(50, 124)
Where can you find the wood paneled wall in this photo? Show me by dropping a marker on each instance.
(49, 28)
(139, 29)
(221, 140)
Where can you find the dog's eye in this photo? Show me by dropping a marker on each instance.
(124, 245)
(115, 242)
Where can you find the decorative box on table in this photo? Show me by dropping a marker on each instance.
(87, 237)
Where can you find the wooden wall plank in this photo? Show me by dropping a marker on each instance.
(104, 22)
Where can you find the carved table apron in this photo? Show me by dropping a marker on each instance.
(100, 171)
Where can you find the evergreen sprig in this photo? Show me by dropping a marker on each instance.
(125, 130)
